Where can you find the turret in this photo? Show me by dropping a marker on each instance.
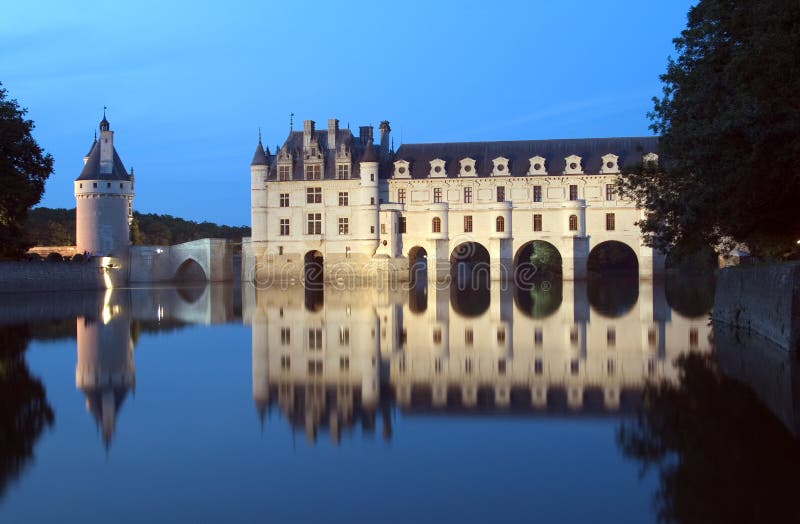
(369, 183)
(104, 200)
(259, 168)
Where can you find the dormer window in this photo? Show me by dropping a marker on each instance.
(500, 166)
(467, 167)
(650, 158)
(342, 171)
(401, 169)
(437, 168)
(572, 165)
(610, 164)
(284, 172)
(537, 166)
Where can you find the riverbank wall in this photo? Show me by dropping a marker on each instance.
(761, 298)
(37, 275)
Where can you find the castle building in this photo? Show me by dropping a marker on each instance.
(103, 200)
(332, 199)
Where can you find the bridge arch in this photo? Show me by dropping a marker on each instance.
(613, 256)
(469, 262)
(313, 269)
(190, 270)
(536, 259)
(417, 265)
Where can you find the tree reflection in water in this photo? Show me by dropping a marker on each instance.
(24, 410)
(720, 454)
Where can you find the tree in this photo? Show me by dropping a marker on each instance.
(24, 167)
(729, 126)
(136, 235)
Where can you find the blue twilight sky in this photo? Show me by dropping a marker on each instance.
(188, 84)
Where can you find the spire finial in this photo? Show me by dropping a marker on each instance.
(259, 134)
(104, 111)
(291, 122)
(95, 135)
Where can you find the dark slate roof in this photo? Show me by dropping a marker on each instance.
(91, 171)
(629, 150)
(91, 148)
(294, 146)
(259, 157)
(370, 155)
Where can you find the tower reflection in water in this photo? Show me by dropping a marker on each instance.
(105, 371)
(337, 357)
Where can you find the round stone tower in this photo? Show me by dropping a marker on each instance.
(104, 199)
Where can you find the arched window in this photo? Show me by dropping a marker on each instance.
(573, 223)
(436, 225)
(500, 224)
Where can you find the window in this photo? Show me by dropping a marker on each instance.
(538, 366)
(286, 362)
(573, 223)
(500, 224)
(467, 195)
(284, 199)
(537, 222)
(344, 226)
(469, 337)
(313, 195)
(284, 227)
(437, 336)
(315, 339)
(286, 336)
(437, 195)
(314, 368)
(284, 173)
(501, 335)
(437, 365)
(383, 228)
(610, 222)
(314, 224)
(372, 201)
(468, 224)
(342, 171)
(574, 366)
(611, 337)
(573, 192)
(402, 224)
(314, 172)
(344, 363)
(436, 225)
(537, 193)
(94, 185)
(372, 177)
(401, 196)
(344, 336)
(610, 367)
(609, 191)
(468, 366)
(344, 198)
(501, 193)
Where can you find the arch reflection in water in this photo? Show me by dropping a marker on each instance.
(532, 352)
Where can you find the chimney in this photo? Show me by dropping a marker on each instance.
(385, 130)
(333, 130)
(308, 132)
(365, 134)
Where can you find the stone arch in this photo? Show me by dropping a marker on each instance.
(190, 270)
(613, 256)
(469, 263)
(313, 269)
(539, 300)
(536, 260)
(418, 279)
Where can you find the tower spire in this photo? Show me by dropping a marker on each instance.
(291, 122)
(259, 134)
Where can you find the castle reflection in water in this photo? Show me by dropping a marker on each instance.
(331, 359)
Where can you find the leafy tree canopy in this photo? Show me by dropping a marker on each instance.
(729, 122)
(24, 168)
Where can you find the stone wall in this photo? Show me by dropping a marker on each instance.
(762, 298)
(51, 276)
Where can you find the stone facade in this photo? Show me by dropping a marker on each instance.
(365, 210)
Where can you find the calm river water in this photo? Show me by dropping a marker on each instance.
(568, 402)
